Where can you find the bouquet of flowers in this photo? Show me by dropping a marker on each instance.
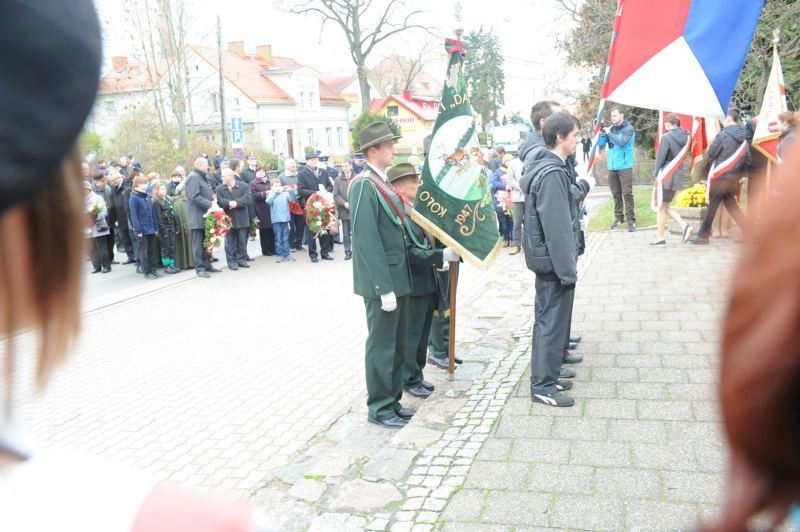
(217, 225)
(504, 202)
(253, 226)
(321, 213)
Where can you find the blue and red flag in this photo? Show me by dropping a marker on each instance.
(682, 55)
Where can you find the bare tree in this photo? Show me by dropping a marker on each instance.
(395, 72)
(364, 25)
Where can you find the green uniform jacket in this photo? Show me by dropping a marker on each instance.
(380, 260)
(422, 257)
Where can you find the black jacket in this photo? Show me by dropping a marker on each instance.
(120, 202)
(551, 235)
(165, 214)
(308, 182)
(671, 144)
(198, 198)
(727, 142)
(248, 175)
(241, 195)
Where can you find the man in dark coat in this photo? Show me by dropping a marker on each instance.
(309, 180)
(670, 146)
(551, 241)
(234, 197)
(199, 197)
(259, 190)
(120, 218)
(249, 171)
(730, 154)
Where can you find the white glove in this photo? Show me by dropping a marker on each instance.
(388, 302)
(321, 188)
(449, 255)
(445, 267)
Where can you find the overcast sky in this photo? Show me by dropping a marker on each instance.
(527, 30)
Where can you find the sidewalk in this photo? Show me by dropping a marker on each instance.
(641, 450)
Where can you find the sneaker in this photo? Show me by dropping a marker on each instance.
(290, 259)
(700, 241)
(687, 232)
(563, 385)
(566, 373)
(553, 399)
(280, 259)
(514, 250)
(631, 227)
(658, 243)
(615, 224)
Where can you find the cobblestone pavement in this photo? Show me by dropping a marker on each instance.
(212, 382)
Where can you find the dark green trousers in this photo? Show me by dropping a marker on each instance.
(420, 312)
(385, 350)
(439, 340)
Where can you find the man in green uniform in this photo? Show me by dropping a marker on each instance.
(381, 275)
(424, 259)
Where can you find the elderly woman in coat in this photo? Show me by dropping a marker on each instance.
(259, 188)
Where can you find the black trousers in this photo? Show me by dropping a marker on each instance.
(420, 312)
(267, 238)
(147, 253)
(722, 191)
(236, 246)
(124, 238)
(166, 234)
(297, 228)
(98, 252)
(202, 258)
(325, 243)
(621, 183)
(550, 328)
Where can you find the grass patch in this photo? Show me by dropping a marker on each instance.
(321, 478)
(645, 217)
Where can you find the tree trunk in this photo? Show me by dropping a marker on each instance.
(363, 83)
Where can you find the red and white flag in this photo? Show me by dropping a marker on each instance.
(767, 132)
(719, 170)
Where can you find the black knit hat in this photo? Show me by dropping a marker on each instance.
(50, 64)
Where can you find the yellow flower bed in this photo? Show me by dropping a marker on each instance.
(694, 196)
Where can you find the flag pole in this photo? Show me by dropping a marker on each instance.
(601, 108)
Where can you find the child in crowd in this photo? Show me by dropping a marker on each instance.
(145, 226)
(278, 199)
(167, 226)
(153, 178)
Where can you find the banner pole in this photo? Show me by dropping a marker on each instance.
(451, 348)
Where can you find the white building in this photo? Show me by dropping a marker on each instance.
(348, 86)
(283, 105)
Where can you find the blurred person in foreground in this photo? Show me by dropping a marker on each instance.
(760, 368)
(41, 203)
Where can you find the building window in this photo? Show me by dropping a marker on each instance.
(111, 107)
(328, 138)
(303, 100)
(273, 140)
(215, 101)
(392, 110)
(311, 100)
(236, 103)
(339, 138)
(310, 137)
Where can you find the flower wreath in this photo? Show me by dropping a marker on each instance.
(321, 213)
(217, 225)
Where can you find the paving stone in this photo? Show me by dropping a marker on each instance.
(427, 517)
(466, 505)
(637, 430)
(561, 478)
(610, 408)
(710, 457)
(365, 496)
(673, 456)
(378, 524)
(308, 490)
(614, 375)
(663, 375)
(665, 410)
(689, 392)
(601, 390)
(647, 516)
(516, 508)
(337, 522)
(638, 361)
(627, 483)
(472, 527)
(402, 526)
(496, 475)
(390, 463)
(587, 513)
(635, 390)
(523, 427)
(415, 437)
(696, 431)
(693, 487)
(580, 429)
(539, 451)
(592, 453)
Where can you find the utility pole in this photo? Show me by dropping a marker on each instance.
(221, 91)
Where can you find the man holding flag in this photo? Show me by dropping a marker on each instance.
(730, 156)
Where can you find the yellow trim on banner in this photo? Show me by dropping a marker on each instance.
(461, 250)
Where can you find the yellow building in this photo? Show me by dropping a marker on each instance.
(415, 115)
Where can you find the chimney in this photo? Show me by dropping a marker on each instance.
(407, 95)
(236, 47)
(265, 52)
(119, 62)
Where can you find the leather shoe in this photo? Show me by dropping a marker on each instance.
(129, 261)
(114, 262)
(233, 266)
(250, 259)
(572, 345)
(244, 265)
(203, 274)
(314, 259)
(96, 270)
(566, 373)
(418, 391)
(575, 339)
(572, 358)
(428, 385)
(514, 250)
(394, 422)
(327, 257)
(105, 270)
(213, 269)
(438, 362)
(405, 413)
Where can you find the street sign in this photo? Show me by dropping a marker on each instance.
(236, 137)
(236, 124)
